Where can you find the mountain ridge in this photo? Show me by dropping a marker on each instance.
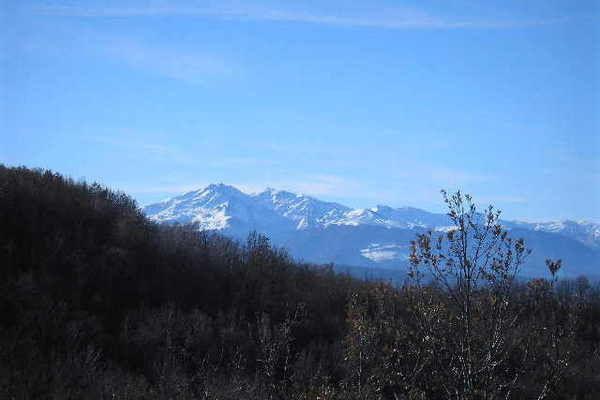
(295, 205)
(323, 231)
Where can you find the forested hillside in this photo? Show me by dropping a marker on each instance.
(96, 301)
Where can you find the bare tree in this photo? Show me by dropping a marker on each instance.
(475, 262)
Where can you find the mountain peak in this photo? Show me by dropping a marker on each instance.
(221, 187)
(269, 189)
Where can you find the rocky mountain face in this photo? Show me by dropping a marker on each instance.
(377, 237)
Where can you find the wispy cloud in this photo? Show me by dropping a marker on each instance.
(322, 185)
(390, 18)
(187, 61)
(190, 65)
(176, 155)
(157, 151)
(242, 162)
(445, 176)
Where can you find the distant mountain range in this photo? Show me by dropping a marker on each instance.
(373, 238)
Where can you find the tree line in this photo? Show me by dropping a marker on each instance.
(96, 301)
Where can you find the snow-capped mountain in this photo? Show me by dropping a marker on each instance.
(220, 206)
(321, 231)
(305, 211)
(583, 231)
(224, 207)
(404, 217)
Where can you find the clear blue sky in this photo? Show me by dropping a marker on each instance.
(358, 102)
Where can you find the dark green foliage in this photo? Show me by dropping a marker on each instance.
(98, 302)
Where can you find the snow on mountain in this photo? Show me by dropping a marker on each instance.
(216, 206)
(361, 216)
(385, 252)
(305, 211)
(220, 206)
(207, 207)
(321, 231)
(583, 231)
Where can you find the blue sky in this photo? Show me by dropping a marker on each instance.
(357, 102)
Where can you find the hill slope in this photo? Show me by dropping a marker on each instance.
(96, 301)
